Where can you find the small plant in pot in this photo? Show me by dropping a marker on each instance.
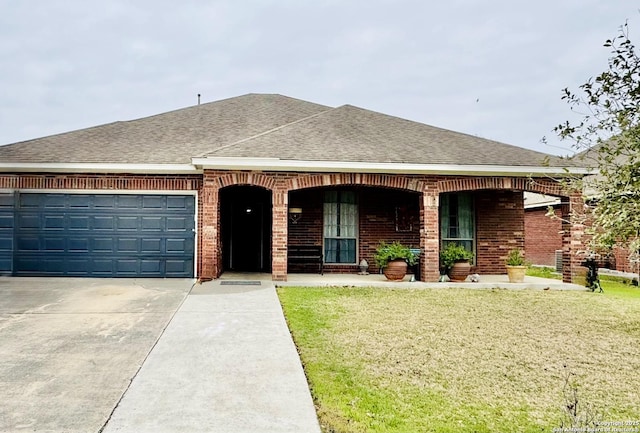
(454, 260)
(516, 266)
(393, 258)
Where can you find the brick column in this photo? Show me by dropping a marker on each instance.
(210, 246)
(573, 239)
(429, 236)
(279, 234)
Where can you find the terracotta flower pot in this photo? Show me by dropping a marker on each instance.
(516, 273)
(395, 270)
(459, 271)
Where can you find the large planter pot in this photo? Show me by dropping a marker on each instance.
(395, 270)
(459, 271)
(516, 273)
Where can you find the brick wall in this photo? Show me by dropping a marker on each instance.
(542, 236)
(377, 222)
(102, 182)
(621, 259)
(499, 228)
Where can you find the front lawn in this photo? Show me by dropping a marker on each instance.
(458, 360)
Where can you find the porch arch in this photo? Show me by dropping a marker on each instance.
(210, 240)
(245, 178)
(541, 186)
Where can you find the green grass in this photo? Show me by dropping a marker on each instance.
(543, 272)
(458, 360)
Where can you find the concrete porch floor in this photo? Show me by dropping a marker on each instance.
(378, 280)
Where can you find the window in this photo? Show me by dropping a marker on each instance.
(340, 227)
(457, 223)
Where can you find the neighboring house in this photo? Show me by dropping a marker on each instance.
(231, 184)
(542, 234)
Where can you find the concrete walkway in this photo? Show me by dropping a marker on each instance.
(226, 363)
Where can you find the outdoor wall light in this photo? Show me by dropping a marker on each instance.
(295, 213)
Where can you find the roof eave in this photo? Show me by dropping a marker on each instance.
(275, 164)
(54, 167)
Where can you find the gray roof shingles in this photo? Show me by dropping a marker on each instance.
(270, 126)
(169, 138)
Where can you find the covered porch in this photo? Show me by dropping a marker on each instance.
(346, 215)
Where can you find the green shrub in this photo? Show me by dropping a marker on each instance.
(387, 252)
(515, 258)
(453, 253)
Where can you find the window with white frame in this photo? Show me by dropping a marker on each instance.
(457, 222)
(340, 227)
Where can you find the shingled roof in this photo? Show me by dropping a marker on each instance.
(274, 127)
(169, 138)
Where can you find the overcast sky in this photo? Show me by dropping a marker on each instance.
(492, 68)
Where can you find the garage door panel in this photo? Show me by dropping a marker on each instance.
(181, 202)
(103, 245)
(102, 267)
(7, 222)
(54, 222)
(177, 246)
(127, 267)
(150, 267)
(152, 223)
(6, 243)
(128, 245)
(104, 201)
(104, 222)
(79, 201)
(129, 223)
(29, 201)
(28, 221)
(129, 202)
(54, 201)
(151, 245)
(28, 243)
(78, 222)
(176, 268)
(101, 235)
(79, 244)
(153, 202)
(54, 244)
(79, 266)
(179, 223)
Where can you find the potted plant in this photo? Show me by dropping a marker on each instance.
(454, 260)
(516, 266)
(393, 259)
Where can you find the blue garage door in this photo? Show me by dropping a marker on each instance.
(96, 235)
(6, 233)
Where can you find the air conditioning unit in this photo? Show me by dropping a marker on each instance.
(559, 261)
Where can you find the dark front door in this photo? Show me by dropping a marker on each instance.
(246, 229)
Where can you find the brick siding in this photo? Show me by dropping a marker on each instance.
(499, 228)
(542, 236)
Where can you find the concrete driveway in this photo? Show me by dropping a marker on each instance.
(69, 347)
